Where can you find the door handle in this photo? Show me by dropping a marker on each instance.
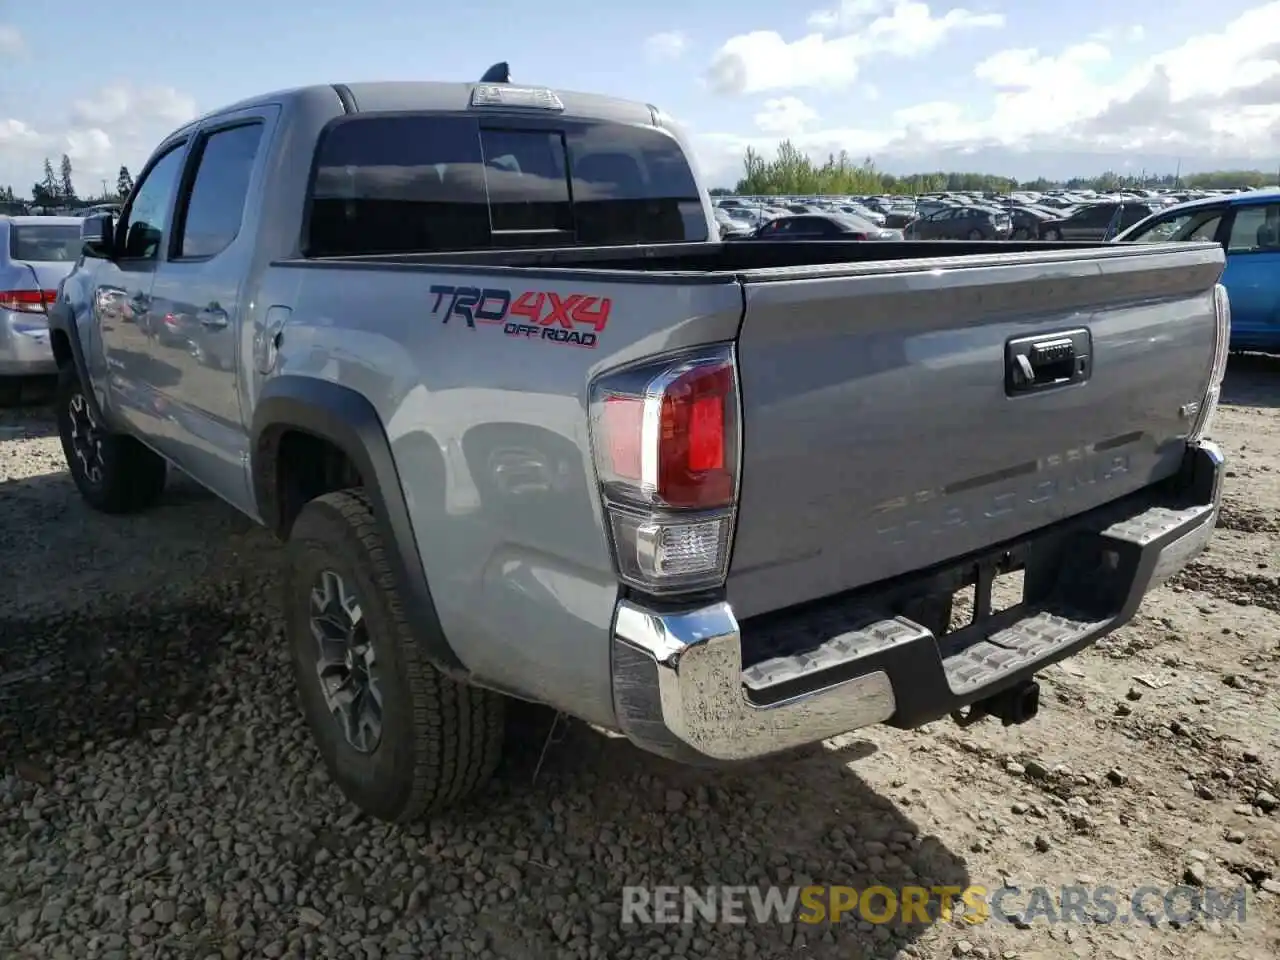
(213, 317)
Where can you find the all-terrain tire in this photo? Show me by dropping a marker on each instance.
(124, 476)
(440, 740)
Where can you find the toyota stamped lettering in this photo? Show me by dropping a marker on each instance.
(576, 319)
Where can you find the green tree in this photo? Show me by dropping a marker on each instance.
(66, 189)
(124, 182)
(48, 186)
(794, 172)
(41, 196)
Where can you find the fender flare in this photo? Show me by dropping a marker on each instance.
(346, 419)
(62, 320)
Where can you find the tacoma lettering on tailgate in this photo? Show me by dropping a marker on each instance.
(936, 517)
(576, 319)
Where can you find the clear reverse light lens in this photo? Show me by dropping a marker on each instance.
(1221, 350)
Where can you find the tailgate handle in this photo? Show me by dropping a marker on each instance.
(1047, 361)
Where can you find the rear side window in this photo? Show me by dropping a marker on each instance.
(216, 203)
(54, 243)
(414, 183)
(1255, 228)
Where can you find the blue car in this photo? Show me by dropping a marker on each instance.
(1248, 226)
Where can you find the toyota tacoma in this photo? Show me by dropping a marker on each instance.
(529, 430)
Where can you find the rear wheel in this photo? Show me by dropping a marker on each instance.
(975, 234)
(398, 737)
(113, 472)
(1051, 234)
(1021, 233)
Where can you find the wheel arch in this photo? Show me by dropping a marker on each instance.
(68, 350)
(344, 421)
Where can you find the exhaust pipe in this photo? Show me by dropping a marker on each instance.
(1016, 705)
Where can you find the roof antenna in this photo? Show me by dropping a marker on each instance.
(498, 73)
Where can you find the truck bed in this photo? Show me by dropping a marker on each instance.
(723, 261)
(882, 433)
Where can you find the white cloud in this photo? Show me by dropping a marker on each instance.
(11, 42)
(118, 124)
(669, 45)
(1133, 33)
(842, 40)
(785, 116)
(1217, 95)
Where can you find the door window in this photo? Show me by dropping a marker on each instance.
(1099, 215)
(1256, 229)
(147, 218)
(1132, 213)
(1192, 225)
(215, 206)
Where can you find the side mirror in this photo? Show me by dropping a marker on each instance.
(98, 236)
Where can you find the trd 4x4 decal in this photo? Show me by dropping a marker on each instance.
(576, 319)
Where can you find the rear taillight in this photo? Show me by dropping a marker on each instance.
(666, 438)
(1221, 349)
(858, 236)
(27, 301)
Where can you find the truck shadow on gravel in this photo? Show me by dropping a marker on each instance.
(600, 813)
(79, 682)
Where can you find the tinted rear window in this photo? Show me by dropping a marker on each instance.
(56, 243)
(412, 183)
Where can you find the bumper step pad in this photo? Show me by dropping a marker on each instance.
(1025, 642)
(876, 636)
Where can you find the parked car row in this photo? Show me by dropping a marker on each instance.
(1021, 215)
(1247, 224)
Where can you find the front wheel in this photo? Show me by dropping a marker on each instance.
(399, 738)
(975, 234)
(114, 472)
(1021, 233)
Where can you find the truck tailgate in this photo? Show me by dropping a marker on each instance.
(889, 424)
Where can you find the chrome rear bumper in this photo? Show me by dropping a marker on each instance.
(681, 688)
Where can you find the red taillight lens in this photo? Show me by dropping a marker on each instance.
(666, 433)
(666, 438)
(691, 447)
(27, 301)
(857, 236)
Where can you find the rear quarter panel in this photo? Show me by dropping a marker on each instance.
(489, 430)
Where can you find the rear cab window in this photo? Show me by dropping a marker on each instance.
(422, 183)
(44, 243)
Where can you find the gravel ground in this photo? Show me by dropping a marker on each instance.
(159, 796)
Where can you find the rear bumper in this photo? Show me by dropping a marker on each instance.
(699, 685)
(24, 344)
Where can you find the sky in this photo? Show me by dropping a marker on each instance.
(1026, 89)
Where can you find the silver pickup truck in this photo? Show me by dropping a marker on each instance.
(529, 429)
